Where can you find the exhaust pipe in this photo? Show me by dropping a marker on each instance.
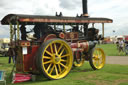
(85, 8)
(85, 14)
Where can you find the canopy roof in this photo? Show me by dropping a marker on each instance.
(32, 19)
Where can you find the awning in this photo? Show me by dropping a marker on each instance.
(32, 19)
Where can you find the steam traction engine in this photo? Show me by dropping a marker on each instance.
(53, 49)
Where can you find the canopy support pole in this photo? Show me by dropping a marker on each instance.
(11, 32)
(103, 29)
(18, 31)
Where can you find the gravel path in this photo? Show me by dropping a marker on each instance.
(123, 60)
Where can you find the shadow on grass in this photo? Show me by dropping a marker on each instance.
(42, 78)
(81, 70)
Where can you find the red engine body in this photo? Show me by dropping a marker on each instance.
(26, 61)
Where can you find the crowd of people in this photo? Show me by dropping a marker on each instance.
(122, 46)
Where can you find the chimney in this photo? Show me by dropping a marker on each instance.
(85, 8)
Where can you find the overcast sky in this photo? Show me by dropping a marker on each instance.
(114, 9)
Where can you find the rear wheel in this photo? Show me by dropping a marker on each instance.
(55, 59)
(97, 58)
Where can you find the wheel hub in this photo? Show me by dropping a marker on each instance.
(57, 59)
(96, 57)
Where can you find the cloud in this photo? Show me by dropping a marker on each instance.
(70, 4)
(4, 32)
(115, 9)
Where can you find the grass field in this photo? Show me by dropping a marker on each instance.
(109, 75)
(111, 50)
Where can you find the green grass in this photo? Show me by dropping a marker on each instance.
(109, 75)
(111, 50)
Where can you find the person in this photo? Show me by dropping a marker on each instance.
(126, 47)
(37, 31)
(92, 33)
(121, 46)
(117, 44)
(75, 28)
(41, 29)
(11, 54)
(23, 32)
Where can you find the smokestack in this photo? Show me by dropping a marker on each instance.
(85, 8)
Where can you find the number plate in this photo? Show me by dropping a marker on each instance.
(24, 50)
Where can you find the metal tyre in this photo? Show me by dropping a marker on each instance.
(56, 59)
(79, 59)
(97, 58)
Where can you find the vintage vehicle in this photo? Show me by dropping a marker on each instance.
(54, 49)
(4, 46)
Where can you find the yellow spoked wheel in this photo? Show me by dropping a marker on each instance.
(56, 59)
(97, 59)
(78, 59)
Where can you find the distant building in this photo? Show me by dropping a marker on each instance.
(114, 39)
(4, 46)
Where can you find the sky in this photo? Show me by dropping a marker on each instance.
(113, 9)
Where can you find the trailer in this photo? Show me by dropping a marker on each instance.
(54, 49)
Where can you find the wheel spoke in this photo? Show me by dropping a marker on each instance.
(49, 67)
(49, 53)
(63, 60)
(60, 48)
(63, 65)
(55, 48)
(95, 52)
(98, 62)
(101, 61)
(61, 52)
(59, 68)
(94, 61)
(52, 69)
(56, 70)
(99, 53)
(47, 62)
(65, 55)
(51, 48)
(101, 56)
(46, 57)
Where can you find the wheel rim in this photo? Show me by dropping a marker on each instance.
(81, 61)
(57, 59)
(98, 58)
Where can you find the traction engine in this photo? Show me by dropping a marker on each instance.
(56, 43)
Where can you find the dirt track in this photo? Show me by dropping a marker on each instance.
(123, 60)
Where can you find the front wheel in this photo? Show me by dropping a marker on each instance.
(55, 59)
(97, 58)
